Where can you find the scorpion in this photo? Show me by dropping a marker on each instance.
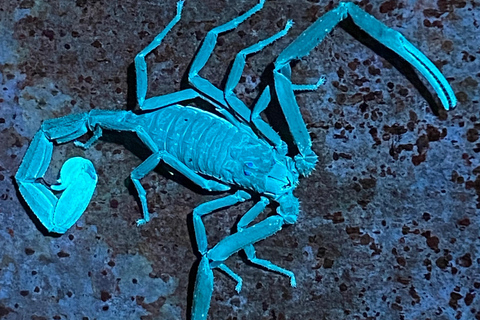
(233, 148)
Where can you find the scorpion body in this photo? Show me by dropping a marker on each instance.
(235, 156)
(235, 148)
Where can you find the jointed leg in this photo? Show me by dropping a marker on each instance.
(138, 173)
(243, 239)
(250, 249)
(270, 134)
(248, 236)
(264, 127)
(151, 162)
(97, 134)
(204, 54)
(251, 255)
(158, 102)
(237, 69)
(234, 77)
(141, 65)
(233, 275)
(209, 207)
(214, 258)
(204, 281)
(309, 87)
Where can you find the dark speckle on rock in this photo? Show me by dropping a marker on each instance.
(418, 159)
(50, 34)
(368, 183)
(114, 203)
(63, 254)
(24, 293)
(97, 44)
(465, 260)
(388, 6)
(104, 296)
(472, 135)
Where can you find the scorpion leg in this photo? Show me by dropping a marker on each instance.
(237, 69)
(141, 65)
(151, 162)
(245, 238)
(264, 127)
(204, 54)
(158, 102)
(250, 249)
(142, 76)
(97, 134)
(309, 87)
(202, 293)
(209, 207)
(242, 240)
(234, 77)
(233, 275)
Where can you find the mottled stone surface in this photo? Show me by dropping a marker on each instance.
(389, 226)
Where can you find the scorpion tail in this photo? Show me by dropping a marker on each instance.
(203, 291)
(77, 174)
(58, 206)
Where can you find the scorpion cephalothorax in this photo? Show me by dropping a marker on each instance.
(235, 148)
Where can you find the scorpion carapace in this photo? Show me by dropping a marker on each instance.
(217, 152)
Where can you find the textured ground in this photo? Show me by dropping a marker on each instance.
(389, 226)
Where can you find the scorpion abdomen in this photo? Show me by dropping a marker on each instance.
(208, 144)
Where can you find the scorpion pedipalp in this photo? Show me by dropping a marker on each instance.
(311, 38)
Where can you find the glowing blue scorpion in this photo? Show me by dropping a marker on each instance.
(235, 148)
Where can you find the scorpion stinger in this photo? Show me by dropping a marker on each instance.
(315, 34)
(77, 181)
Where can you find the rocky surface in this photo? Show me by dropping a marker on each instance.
(389, 226)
